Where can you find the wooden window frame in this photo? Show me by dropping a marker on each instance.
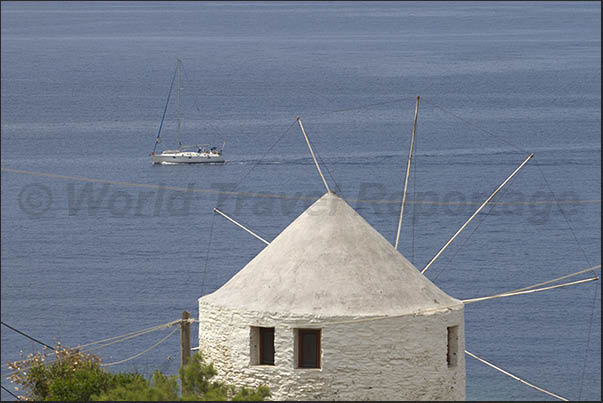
(300, 333)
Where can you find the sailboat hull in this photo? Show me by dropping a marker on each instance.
(187, 158)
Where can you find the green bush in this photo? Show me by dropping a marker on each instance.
(77, 376)
(161, 388)
(72, 376)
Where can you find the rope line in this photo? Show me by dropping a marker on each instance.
(119, 339)
(363, 107)
(480, 221)
(28, 336)
(587, 262)
(237, 193)
(141, 353)
(469, 123)
(149, 329)
(204, 276)
(196, 102)
(264, 155)
(562, 212)
(122, 339)
(515, 377)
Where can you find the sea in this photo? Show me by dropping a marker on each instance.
(97, 242)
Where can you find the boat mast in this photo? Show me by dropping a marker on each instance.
(179, 104)
(158, 138)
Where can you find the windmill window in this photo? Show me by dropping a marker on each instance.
(262, 345)
(453, 346)
(308, 348)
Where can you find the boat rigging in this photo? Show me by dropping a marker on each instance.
(184, 154)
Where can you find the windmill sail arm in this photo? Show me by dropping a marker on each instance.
(533, 290)
(515, 377)
(412, 143)
(476, 213)
(597, 267)
(241, 226)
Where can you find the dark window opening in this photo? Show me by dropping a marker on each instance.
(453, 346)
(308, 348)
(266, 346)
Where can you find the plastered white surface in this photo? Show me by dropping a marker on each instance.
(401, 358)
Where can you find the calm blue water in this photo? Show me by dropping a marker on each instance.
(83, 90)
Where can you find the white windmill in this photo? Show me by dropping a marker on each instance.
(330, 310)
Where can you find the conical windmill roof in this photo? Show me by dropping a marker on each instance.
(330, 262)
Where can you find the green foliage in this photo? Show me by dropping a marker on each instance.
(82, 384)
(72, 376)
(249, 395)
(76, 376)
(195, 378)
(161, 388)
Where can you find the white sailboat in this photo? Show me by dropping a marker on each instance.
(184, 154)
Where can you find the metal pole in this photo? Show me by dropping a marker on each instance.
(474, 214)
(312, 152)
(412, 145)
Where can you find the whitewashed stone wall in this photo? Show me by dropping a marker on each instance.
(400, 358)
